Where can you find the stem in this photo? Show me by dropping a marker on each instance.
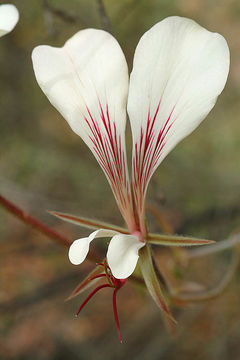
(91, 295)
(29, 220)
(116, 314)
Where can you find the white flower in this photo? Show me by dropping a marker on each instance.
(178, 72)
(9, 17)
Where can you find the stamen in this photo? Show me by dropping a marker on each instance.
(91, 295)
(116, 314)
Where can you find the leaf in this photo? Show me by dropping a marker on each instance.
(176, 240)
(87, 223)
(152, 283)
(86, 282)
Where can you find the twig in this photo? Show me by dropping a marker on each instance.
(106, 25)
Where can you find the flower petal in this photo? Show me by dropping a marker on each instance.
(8, 18)
(87, 81)
(122, 255)
(179, 70)
(79, 248)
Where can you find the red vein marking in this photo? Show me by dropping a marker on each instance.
(147, 152)
(109, 149)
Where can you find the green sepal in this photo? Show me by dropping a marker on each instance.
(176, 240)
(87, 223)
(152, 283)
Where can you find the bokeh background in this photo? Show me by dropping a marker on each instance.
(45, 166)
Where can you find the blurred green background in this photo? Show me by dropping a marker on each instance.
(45, 166)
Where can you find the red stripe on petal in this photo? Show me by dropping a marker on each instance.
(147, 153)
(109, 149)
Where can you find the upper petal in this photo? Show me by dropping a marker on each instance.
(8, 18)
(79, 248)
(179, 70)
(87, 81)
(122, 255)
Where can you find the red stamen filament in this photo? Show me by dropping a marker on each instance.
(116, 284)
(116, 314)
(91, 295)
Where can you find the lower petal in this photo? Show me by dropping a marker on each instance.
(122, 255)
(79, 250)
